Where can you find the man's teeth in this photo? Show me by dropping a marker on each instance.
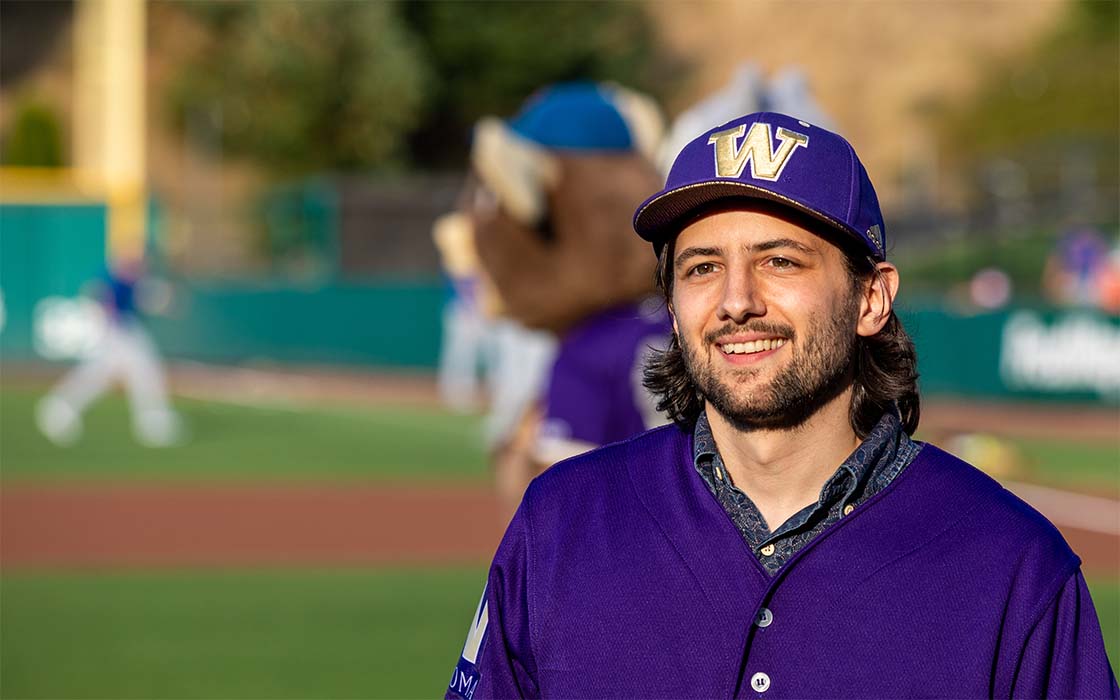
(753, 346)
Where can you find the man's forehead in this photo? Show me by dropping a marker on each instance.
(753, 229)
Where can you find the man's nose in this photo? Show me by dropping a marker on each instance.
(742, 298)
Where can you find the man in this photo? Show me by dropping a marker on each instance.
(786, 537)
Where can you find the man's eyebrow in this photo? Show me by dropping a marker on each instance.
(695, 252)
(773, 244)
(784, 243)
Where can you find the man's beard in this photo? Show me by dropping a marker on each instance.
(819, 371)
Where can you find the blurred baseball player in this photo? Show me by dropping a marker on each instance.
(124, 352)
(785, 537)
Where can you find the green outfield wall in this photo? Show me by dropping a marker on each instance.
(381, 323)
(1017, 353)
(48, 252)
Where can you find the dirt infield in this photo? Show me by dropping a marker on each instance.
(1058, 421)
(97, 525)
(172, 525)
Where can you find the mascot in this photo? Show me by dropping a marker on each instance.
(548, 209)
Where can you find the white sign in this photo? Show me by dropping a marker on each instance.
(1079, 352)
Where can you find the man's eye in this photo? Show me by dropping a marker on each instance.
(782, 263)
(702, 269)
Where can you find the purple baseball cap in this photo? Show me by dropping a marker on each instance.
(773, 157)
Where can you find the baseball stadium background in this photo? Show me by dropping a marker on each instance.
(325, 528)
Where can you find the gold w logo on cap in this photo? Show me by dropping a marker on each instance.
(757, 149)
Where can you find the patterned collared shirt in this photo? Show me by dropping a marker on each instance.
(881, 457)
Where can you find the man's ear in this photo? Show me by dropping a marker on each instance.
(877, 299)
(673, 318)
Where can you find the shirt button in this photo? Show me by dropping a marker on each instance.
(764, 617)
(767, 550)
(848, 509)
(760, 682)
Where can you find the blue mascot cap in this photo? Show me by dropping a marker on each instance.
(575, 116)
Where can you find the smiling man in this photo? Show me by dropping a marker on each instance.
(785, 537)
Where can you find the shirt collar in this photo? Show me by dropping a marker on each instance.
(703, 444)
(877, 452)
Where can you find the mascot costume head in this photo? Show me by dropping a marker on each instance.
(550, 203)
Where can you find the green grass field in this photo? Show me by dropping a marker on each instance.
(387, 634)
(1106, 598)
(282, 634)
(380, 442)
(236, 441)
(285, 634)
(1073, 463)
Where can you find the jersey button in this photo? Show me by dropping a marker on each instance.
(848, 509)
(764, 617)
(767, 550)
(760, 682)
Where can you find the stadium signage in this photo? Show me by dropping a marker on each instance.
(1077, 352)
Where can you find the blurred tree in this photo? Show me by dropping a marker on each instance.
(339, 85)
(29, 32)
(489, 56)
(34, 138)
(302, 87)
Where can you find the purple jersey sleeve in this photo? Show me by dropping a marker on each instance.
(1064, 656)
(497, 659)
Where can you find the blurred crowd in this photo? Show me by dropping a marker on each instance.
(1084, 270)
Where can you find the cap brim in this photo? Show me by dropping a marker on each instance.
(662, 216)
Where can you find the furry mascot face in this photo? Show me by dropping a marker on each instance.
(551, 202)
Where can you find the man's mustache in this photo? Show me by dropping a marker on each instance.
(767, 327)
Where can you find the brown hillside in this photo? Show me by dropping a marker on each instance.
(878, 67)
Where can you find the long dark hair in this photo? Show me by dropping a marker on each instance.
(885, 365)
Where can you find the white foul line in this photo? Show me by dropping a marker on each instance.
(1077, 510)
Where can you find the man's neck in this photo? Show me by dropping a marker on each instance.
(783, 470)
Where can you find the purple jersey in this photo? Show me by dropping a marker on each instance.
(595, 394)
(621, 576)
